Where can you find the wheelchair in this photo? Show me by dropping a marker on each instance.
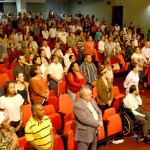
(131, 126)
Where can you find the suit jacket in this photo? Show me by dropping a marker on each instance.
(103, 97)
(86, 125)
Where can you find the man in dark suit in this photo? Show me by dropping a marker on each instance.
(88, 120)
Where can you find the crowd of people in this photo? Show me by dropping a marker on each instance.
(79, 50)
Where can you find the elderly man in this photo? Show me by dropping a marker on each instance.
(88, 119)
(38, 130)
(134, 102)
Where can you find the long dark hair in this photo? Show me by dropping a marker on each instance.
(70, 68)
(6, 85)
(33, 70)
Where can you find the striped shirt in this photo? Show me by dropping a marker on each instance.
(39, 133)
(89, 71)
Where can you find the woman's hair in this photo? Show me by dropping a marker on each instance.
(6, 85)
(33, 70)
(70, 68)
(35, 58)
(28, 57)
(133, 65)
(102, 69)
(132, 88)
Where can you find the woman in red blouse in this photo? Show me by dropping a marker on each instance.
(75, 80)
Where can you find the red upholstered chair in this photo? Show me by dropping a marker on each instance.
(56, 118)
(54, 101)
(14, 64)
(112, 121)
(3, 78)
(117, 96)
(94, 93)
(10, 74)
(77, 95)
(26, 114)
(66, 107)
(20, 52)
(58, 143)
(101, 136)
(61, 87)
(3, 68)
(23, 144)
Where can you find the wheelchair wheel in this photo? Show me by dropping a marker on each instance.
(127, 125)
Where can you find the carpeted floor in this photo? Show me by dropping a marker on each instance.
(129, 143)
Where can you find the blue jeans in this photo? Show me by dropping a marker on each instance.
(72, 95)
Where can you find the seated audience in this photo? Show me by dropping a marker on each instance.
(89, 120)
(133, 102)
(39, 91)
(132, 78)
(12, 104)
(22, 87)
(8, 138)
(30, 49)
(89, 70)
(104, 89)
(75, 80)
(38, 130)
(24, 44)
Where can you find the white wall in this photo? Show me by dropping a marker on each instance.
(89, 7)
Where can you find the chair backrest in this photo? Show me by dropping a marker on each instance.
(49, 109)
(108, 112)
(3, 68)
(26, 114)
(23, 144)
(116, 90)
(94, 93)
(10, 74)
(54, 101)
(14, 64)
(65, 104)
(61, 87)
(69, 125)
(3, 78)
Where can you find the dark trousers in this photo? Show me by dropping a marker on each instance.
(88, 146)
(145, 120)
(53, 85)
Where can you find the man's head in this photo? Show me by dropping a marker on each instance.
(132, 42)
(86, 93)
(133, 90)
(88, 58)
(37, 111)
(21, 59)
(55, 58)
(72, 58)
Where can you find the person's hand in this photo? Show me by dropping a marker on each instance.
(100, 124)
(93, 83)
(109, 103)
(143, 115)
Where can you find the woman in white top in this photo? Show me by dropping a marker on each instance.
(138, 59)
(12, 104)
(132, 77)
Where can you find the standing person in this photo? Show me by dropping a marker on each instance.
(22, 87)
(8, 138)
(132, 78)
(22, 67)
(75, 80)
(101, 44)
(39, 91)
(138, 59)
(46, 49)
(12, 104)
(104, 89)
(38, 130)
(88, 120)
(55, 72)
(130, 50)
(89, 70)
(24, 44)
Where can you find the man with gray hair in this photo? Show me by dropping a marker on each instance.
(88, 120)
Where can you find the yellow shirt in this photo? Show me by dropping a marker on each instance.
(39, 133)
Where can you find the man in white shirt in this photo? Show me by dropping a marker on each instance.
(45, 33)
(145, 51)
(62, 36)
(46, 49)
(52, 33)
(101, 44)
(55, 72)
(18, 37)
(57, 47)
(133, 102)
(88, 120)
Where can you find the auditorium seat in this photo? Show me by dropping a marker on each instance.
(23, 144)
(3, 78)
(26, 114)
(10, 74)
(54, 101)
(61, 88)
(112, 122)
(66, 106)
(117, 97)
(3, 68)
(94, 93)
